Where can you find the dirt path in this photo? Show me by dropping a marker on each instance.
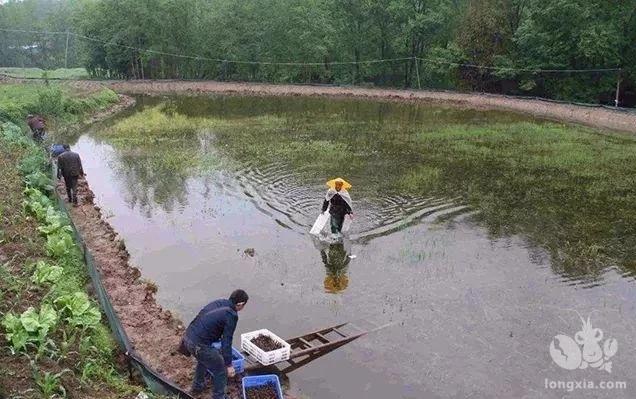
(597, 117)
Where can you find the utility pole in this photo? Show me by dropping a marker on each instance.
(417, 71)
(66, 51)
(618, 88)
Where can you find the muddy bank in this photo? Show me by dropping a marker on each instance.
(591, 116)
(124, 102)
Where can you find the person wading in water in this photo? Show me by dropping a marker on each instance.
(215, 322)
(339, 203)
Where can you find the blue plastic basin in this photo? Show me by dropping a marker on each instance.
(258, 380)
(238, 359)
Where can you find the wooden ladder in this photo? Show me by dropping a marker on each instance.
(311, 346)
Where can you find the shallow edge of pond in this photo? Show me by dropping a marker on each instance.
(154, 333)
(592, 116)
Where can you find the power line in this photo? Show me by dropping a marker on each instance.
(517, 69)
(201, 58)
(298, 63)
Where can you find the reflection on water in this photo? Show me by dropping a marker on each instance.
(476, 230)
(336, 259)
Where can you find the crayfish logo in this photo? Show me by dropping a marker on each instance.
(584, 350)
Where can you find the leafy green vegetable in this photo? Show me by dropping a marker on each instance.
(36, 209)
(33, 194)
(78, 310)
(59, 244)
(46, 273)
(54, 216)
(30, 327)
(15, 332)
(52, 228)
(54, 222)
(41, 206)
(38, 180)
(38, 204)
(13, 134)
(34, 162)
(50, 384)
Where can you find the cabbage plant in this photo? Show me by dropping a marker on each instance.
(29, 327)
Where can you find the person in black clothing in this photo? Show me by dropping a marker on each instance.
(215, 322)
(339, 203)
(69, 165)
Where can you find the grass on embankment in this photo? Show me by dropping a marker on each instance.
(53, 339)
(54, 101)
(37, 73)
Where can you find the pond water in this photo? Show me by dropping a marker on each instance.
(479, 235)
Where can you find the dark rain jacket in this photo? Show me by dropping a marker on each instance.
(339, 206)
(57, 150)
(219, 303)
(215, 323)
(69, 164)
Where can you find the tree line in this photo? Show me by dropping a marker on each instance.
(484, 45)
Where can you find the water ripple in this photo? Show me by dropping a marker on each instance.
(285, 196)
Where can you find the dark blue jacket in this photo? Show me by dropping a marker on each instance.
(57, 149)
(219, 303)
(215, 322)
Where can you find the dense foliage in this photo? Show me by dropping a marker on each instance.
(445, 34)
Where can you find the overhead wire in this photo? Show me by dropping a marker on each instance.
(301, 63)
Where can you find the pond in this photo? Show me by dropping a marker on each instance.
(480, 235)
